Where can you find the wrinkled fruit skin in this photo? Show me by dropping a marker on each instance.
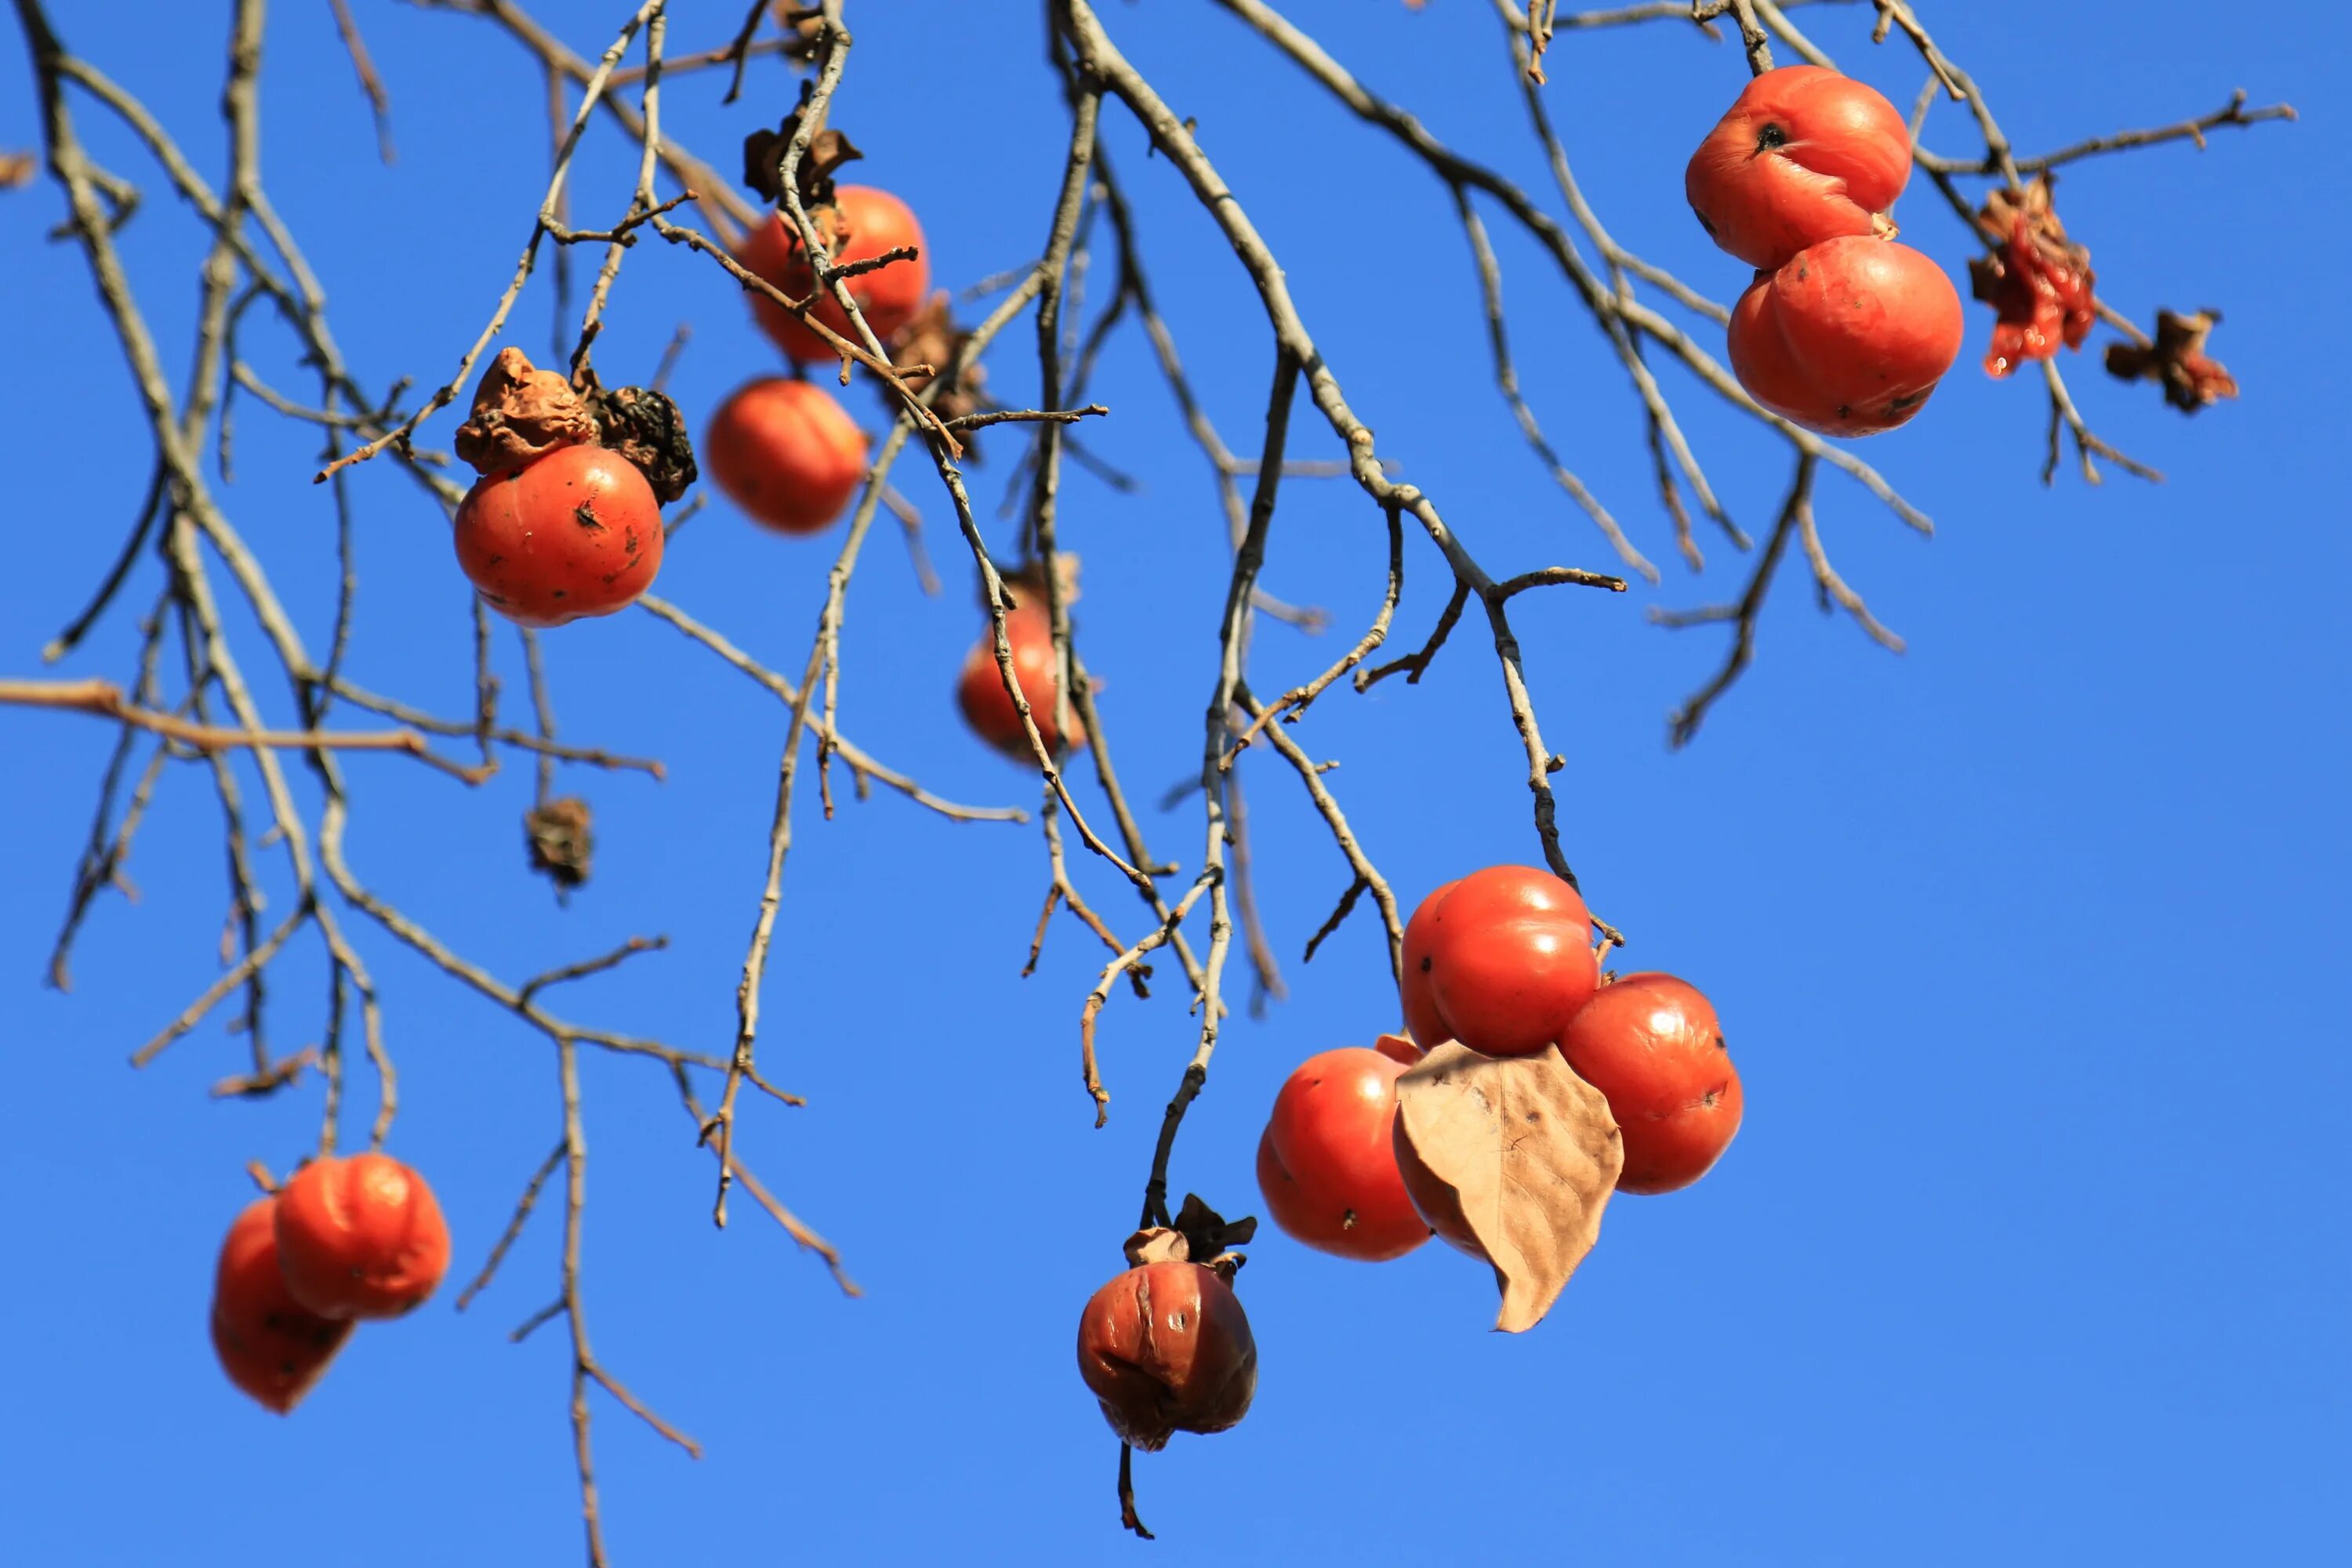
(362, 1238)
(785, 452)
(1437, 1204)
(1326, 1162)
(1651, 1045)
(876, 222)
(987, 707)
(575, 533)
(1500, 960)
(1848, 339)
(272, 1346)
(1804, 155)
(1166, 1349)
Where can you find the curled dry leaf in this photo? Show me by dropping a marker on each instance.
(521, 413)
(645, 427)
(2191, 378)
(828, 150)
(560, 840)
(1199, 1233)
(1512, 1158)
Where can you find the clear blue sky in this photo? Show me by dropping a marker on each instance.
(2032, 1247)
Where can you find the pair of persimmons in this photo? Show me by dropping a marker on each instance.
(346, 1241)
(1844, 330)
(1500, 961)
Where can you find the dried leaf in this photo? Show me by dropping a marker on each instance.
(645, 427)
(2191, 378)
(560, 840)
(1527, 1154)
(17, 169)
(522, 413)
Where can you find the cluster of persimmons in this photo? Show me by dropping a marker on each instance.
(344, 1242)
(1500, 961)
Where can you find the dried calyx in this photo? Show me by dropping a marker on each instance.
(520, 415)
(645, 427)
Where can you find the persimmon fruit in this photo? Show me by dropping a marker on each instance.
(786, 453)
(1500, 960)
(1804, 155)
(272, 1347)
(1326, 1162)
(1652, 1045)
(575, 532)
(872, 223)
(1849, 338)
(987, 707)
(360, 1237)
(1166, 1348)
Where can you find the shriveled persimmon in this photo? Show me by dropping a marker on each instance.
(1166, 1348)
(868, 223)
(785, 452)
(576, 533)
(987, 707)
(360, 1237)
(1848, 339)
(1651, 1043)
(273, 1348)
(1326, 1161)
(1500, 960)
(1804, 155)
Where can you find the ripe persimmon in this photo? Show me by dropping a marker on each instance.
(1849, 338)
(360, 1237)
(871, 223)
(1804, 155)
(1652, 1045)
(987, 707)
(1326, 1163)
(1500, 960)
(272, 1347)
(575, 532)
(785, 452)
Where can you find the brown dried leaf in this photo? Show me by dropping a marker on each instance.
(2191, 378)
(17, 169)
(645, 427)
(560, 840)
(520, 414)
(1530, 1151)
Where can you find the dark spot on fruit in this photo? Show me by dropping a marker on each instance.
(1703, 224)
(1710, 1097)
(584, 514)
(1801, 274)
(559, 592)
(1770, 137)
(1843, 411)
(1424, 964)
(1348, 1220)
(1907, 400)
(629, 541)
(498, 561)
